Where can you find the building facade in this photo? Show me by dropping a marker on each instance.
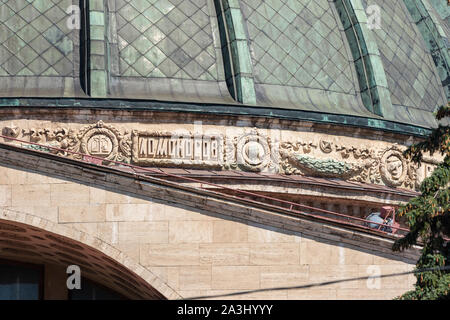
(168, 149)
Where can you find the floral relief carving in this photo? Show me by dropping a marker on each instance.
(306, 147)
(99, 140)
(351, 163)
(251, 150)
(330, 168)
(11, 131)
(230, 161)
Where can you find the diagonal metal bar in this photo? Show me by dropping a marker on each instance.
(242, 195)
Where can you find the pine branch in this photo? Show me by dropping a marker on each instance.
(428, 216)
(443, 112)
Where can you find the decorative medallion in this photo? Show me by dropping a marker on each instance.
(104, 141)
(393, 167)
(11, 131)
(99, 141)
(253, 151)
(326, 146)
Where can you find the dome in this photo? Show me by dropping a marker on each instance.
(191, 149)
(314, 56)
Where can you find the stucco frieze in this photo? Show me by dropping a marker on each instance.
(280, 151)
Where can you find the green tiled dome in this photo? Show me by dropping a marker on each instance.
(310, 55)
(410, 71)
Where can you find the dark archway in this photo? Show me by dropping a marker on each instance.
(25, 243)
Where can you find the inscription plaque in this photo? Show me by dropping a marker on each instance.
(155, 148)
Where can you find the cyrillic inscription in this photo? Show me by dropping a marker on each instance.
(153, 148)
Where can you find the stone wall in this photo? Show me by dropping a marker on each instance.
(205, 253)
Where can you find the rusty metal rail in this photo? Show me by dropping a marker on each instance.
(241, 195)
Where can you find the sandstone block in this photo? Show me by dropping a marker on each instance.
(169, 254)
(88, 213)
(195, 278)
(235, 277)
(268, 234)
(144, 232)
(31, 195)
(284, 276)
(274, 254)
(234, 254)
(69, 194)
(190, 231)
(229, 231)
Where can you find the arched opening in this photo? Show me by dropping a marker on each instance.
(34, 264)
(20, 281)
